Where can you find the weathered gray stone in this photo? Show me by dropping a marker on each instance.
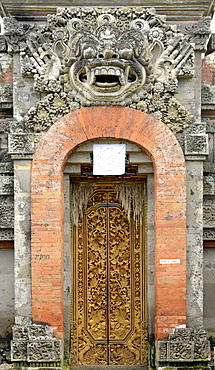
(6, 234)
(63, 92)
(6, 291)
(23, 95)
(6, 211)
(209, 234)
(185, 345)
(35, 343)
(150, 251)
(148, 86)
(209, 288)
(6, 184)
(22, 242)
(209, 212)
(194, 243)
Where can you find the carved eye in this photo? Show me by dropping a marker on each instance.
(89, 52)
(125, 51)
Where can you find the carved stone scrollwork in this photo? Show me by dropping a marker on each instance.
(15, 33)
(6, 211)
(162, 351)
(19, 350)
(201, 350)
(6, 184)
(198, 33)
(119, 56)
(35, 344)
(209, 184)
(6, 178)
(209, 213)
(6, 234)
(180, 351)
(39, 333)
(6, 93)
(20, 143)
(6, 167)
(43, 350)
(196, 144)
(185, 345)
(197, 128)
(209, 234)
(208, 94)
(2, 43)
(196, 140)
(19, 333)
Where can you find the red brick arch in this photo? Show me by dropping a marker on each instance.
(47, 222)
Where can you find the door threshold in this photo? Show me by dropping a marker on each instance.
(109, 367)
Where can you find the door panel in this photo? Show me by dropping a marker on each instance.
(108, 309)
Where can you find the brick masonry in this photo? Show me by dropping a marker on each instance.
(47, 218)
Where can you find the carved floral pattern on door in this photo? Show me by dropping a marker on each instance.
(108, 285)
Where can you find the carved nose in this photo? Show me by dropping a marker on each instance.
(108, 53)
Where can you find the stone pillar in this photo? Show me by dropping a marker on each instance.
(150, 251)
(196, 147)
(67, 266)
(21, 147)
(22, 251)
(194, 243)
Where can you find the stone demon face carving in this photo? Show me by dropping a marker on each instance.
(110, 64)
(98, 56)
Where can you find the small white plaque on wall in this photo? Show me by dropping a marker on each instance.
(169, 261)
(109, 159)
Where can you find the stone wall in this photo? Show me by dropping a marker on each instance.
(208, 113)
(7, 307)
(209, 290)
(163, 117)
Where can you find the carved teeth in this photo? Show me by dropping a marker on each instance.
(106, 70)
(92, 78)
(122, 75)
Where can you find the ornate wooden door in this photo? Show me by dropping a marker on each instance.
(108, 315)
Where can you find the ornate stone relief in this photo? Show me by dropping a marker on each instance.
(6, 178)
(198, 33)
(196, 140)
(35, 343)
(15, 33)
(21, 143)
(208, 97)
(207, 94)
(6, 234)
(6, 211)
(209, 234)
(185, 345)
(209, 184)
(209, 212)
(117, 56)
(2, 43)
(6, 184)
(6, 93)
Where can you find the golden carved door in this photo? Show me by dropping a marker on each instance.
(108, 310)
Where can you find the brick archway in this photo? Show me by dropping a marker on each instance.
(47, 220)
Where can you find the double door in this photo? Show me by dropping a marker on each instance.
(108, 310)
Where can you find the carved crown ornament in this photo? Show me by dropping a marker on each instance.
(105, 56)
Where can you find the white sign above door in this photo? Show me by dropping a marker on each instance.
(109, 159)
